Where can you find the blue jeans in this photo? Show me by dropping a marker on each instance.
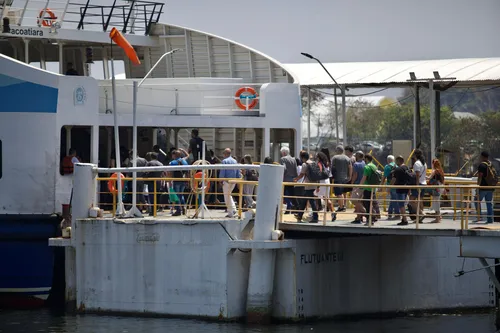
(179, 189)
(488, 197)
(290, 202)
(393, 205)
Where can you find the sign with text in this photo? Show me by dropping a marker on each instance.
(319, 258)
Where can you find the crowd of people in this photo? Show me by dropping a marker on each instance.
(347, 167)
(306, 176)
(179, 189)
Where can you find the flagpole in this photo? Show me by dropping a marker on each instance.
(120, 209)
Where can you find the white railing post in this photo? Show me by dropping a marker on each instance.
(84, 184)
(261, 278)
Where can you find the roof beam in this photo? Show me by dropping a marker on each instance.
(189, 53)
(230, 52)
(209, 53)
(251, 59)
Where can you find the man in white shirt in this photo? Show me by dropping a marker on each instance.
(420, 168)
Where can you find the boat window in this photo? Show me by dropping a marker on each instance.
(77, 139)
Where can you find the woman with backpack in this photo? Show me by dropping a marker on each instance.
(436, 178)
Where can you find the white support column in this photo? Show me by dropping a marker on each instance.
(266, 142)
(68, 137)
(61, 58)
(105, 63)
(109, 147)
(155, 136)
(43, 64)
(83, 56)
(84, 184)
(344, 117)
(176, 137)
(261, 278)
(94, 151)
(432, 97)
(27, 51)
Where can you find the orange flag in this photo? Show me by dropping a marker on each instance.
(120, 40)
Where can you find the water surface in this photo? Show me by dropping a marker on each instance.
(48, 321)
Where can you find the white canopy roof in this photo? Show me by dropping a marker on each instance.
(469, 72)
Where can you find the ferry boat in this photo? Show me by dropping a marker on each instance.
(204, 85)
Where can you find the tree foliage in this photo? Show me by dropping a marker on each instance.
(369, 122)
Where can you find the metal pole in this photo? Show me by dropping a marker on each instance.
(415, 110)
(119, 208)
(433, 118)
(27, 51)
(344, 117)
(308, 120)
(336, 115)
(134, 211)
(202, 204)
(152, 69)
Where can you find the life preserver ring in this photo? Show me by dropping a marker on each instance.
(46, 20)
(112, 183)
(246, 93)
(198, 178)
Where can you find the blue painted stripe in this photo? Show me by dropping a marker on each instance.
(22, 96)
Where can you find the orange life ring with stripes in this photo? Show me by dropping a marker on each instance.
(46, 20)
(198, 178)
(112, 183)
(245, 93)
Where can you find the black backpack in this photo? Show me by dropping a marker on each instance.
(411, 177)
(316, 172)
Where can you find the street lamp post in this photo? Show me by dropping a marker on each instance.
(134, 211)
(343, 89)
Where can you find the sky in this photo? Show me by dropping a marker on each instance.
(354, 30)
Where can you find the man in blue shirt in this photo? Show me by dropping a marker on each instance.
(179, 186)
(227, 187)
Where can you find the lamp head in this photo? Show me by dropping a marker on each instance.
(307, 55)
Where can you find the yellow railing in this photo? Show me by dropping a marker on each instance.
(456, 195)
(191, 196)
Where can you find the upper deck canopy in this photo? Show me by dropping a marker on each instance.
(468, 72)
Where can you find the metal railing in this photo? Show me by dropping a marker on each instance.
(457, 200)
(461, 198)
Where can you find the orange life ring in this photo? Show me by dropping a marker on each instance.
(197, 179)
(46, 21)
(112, 183)
(246, 92)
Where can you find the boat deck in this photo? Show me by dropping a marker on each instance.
(447, 227)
